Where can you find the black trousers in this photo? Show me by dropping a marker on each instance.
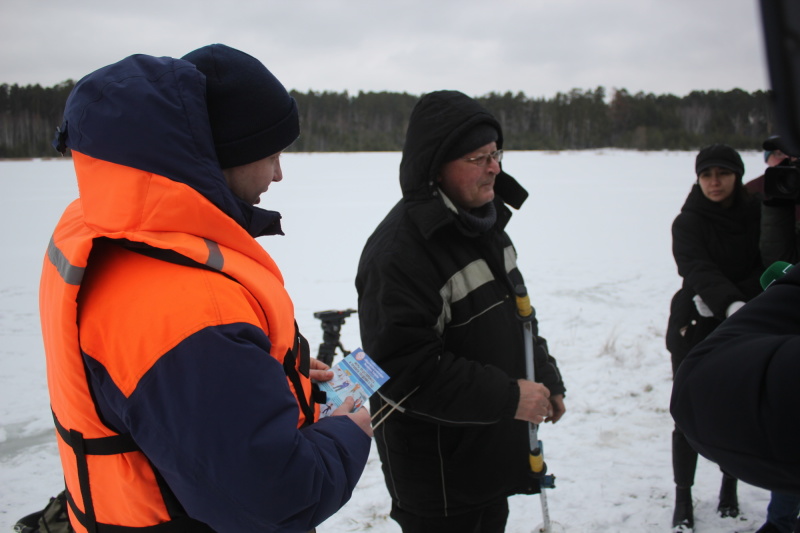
(489, 519)
(684, 458)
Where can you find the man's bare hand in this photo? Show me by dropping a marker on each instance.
(320, 371)
(534, 402)
(558, 408)
(360, 417)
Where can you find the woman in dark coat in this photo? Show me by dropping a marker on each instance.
(715, 245)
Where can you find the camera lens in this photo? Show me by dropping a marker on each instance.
(789, 184)
(782, 181)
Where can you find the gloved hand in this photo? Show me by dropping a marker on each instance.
(735, 306)
(702, 308)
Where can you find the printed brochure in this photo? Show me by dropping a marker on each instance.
(356, 375)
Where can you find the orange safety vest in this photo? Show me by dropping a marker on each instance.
(110, 482)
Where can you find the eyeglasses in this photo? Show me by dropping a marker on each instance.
(483, 159)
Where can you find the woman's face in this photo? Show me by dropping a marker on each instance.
(717, 184)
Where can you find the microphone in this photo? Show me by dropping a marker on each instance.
(775, 271)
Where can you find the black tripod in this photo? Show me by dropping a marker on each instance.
(332, 322)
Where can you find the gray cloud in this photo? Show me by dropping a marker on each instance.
(535, 46)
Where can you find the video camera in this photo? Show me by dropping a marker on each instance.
(332, 322)
(782, 182)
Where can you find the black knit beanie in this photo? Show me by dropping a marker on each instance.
(474, 138)
(773, 142)
(252, 116)
(719, 155)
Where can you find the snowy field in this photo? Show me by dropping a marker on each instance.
(594, 245)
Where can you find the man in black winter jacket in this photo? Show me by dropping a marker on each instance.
(736, 394)
(437, 310)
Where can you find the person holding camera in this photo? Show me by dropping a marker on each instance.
(780, 241)
(779, 189)
(436, 284)
(715, 243)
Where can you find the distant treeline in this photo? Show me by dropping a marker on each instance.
(370, 121)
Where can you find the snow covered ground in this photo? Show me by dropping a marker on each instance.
(594, 246)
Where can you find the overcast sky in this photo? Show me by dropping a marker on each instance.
(539, 47)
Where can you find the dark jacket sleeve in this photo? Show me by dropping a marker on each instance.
(700, 273)
(736, 395)
(779, 237)
(217, 419)
(546, 368)
(399, 307)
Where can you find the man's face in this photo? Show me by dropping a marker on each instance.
(470, 184)
(250, 181)
(776, 156)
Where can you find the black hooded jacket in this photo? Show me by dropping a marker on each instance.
(437, 312)
(717, 255)
(736, 395)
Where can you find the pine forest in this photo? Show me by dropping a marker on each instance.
(376, 121)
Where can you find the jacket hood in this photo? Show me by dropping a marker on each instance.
(437, 122)
(150, 114)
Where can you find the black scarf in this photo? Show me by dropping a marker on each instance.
(480, 219)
